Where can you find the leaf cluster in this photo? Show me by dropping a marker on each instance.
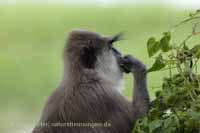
(176, 108)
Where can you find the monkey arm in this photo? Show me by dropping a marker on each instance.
(141, 100)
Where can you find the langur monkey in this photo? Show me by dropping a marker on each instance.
(87, 96)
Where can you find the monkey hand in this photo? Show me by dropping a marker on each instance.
(131, 64)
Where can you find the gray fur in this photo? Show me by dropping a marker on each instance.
(90, 95)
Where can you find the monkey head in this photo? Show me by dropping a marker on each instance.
(90, 52)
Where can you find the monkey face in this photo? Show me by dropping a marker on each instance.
(91, 52)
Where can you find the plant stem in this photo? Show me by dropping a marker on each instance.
(184, 22)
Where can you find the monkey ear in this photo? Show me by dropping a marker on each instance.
(88, 57)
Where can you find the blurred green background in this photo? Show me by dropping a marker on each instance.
(32, 37)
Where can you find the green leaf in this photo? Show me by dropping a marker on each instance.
(164, 42)
(158, 64)
(153, 46)
(196, 51)
(155, 124)
(185, 47)
(171, 121)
